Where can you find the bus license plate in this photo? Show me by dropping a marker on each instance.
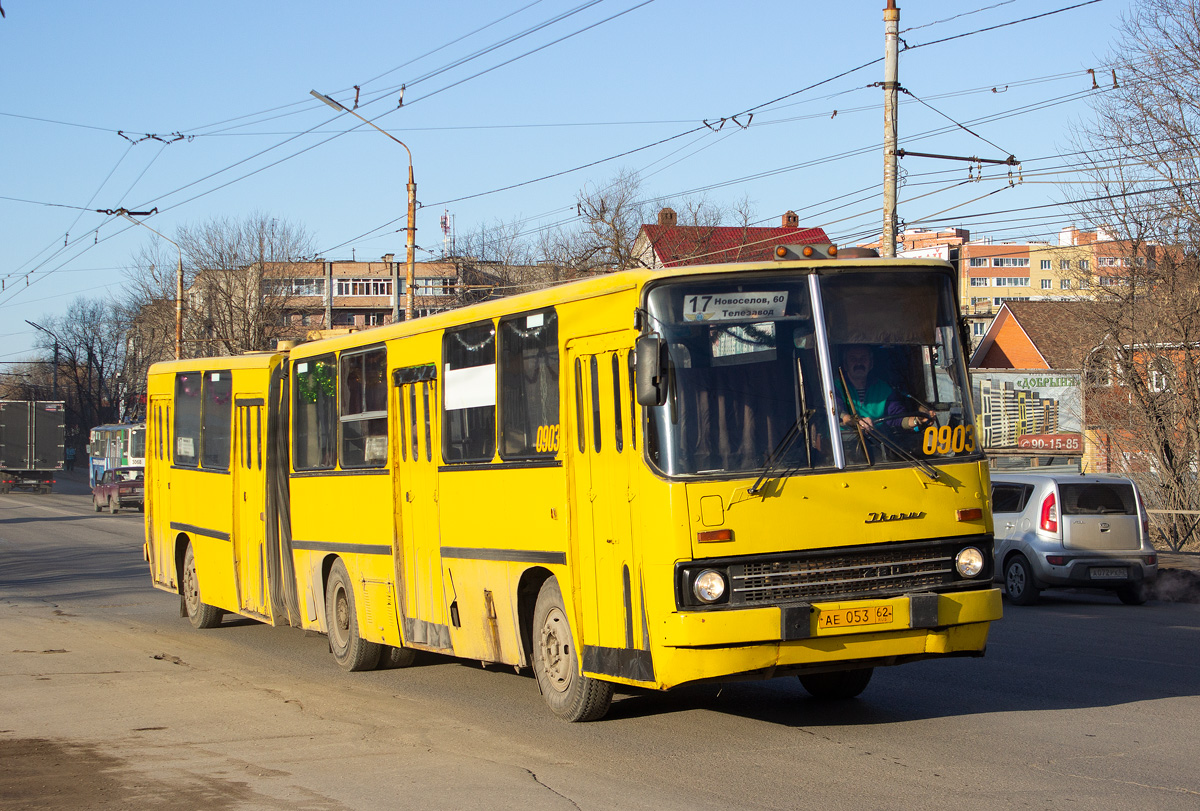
(1108, 572)
(853, 617)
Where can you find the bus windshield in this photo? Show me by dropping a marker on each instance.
(758, 373)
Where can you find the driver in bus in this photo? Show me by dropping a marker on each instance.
(874, 402)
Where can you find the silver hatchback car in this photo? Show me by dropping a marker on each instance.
(1072, 531)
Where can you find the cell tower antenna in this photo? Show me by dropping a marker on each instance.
(447, 233)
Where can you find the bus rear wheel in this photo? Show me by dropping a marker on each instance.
(200, 614)
(569, 694)
(839, 685)
(349, 649)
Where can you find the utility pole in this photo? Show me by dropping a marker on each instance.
(891, 85)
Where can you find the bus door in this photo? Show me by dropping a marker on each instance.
(249, 503)
(419, 597)
(158, 492)
(615, 637)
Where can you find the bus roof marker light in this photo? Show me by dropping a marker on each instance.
(808, 251)
(781, 252)
(832, 251)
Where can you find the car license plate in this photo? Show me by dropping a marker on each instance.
(1108, 573)
(854, 617)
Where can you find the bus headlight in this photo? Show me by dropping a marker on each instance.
(709, 586)
(969, 562)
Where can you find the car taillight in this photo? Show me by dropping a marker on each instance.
(1145, 516)
(1050, 514)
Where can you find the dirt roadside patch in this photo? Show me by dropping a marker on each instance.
(42, 773)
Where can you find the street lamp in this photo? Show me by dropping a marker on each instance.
(55, 337)
(410, 276)
(127, 214)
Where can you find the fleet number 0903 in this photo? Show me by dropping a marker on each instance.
(946, 440)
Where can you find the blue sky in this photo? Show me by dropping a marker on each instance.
(490, 103)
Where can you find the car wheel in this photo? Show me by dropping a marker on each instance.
(1018, 581)
(349, 649)
(570, 695)
(1133, 594)
(839, 685)
(96, 504)
(113, 506)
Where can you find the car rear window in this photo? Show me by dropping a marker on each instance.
(1098, 498)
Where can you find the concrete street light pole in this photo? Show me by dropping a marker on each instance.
(891, 84)
(55, 337)
(410, 275)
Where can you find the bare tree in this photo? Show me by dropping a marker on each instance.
(1143, 195)
(499, 260)
(92, 377)
(242, 280)
(237, 273)
(609, 219)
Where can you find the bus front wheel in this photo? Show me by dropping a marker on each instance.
(841, 684)
(349, 649)
(200, 614)
(569, 694)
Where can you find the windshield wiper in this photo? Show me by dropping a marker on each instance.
(800, 426)
(878, 435)
(781, 449)
(926, 468)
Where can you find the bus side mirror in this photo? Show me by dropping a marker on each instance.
(651, 370)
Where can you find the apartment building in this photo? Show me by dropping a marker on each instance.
(325, 294)
(993, 272)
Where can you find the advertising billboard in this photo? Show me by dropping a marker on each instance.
(1028, 410)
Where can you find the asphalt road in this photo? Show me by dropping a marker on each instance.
(108, 698)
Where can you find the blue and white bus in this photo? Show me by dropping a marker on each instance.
(112, 446)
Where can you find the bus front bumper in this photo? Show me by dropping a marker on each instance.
(721, 644)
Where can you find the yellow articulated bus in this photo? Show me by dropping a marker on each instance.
(648, 478)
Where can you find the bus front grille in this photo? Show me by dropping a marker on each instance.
(858, 573)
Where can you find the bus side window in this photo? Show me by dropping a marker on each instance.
(618, 401)
(217, 420)
(412, 403)
(596, 433)
(425, 389)
(363, 410)
(579, 425)
(402, 424)
(314, 413)
(528, 370)
(633, 421)
(469, 393)
(187, 420)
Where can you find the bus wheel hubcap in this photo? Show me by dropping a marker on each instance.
(556, 652)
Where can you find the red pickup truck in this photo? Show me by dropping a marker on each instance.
(120, 487)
